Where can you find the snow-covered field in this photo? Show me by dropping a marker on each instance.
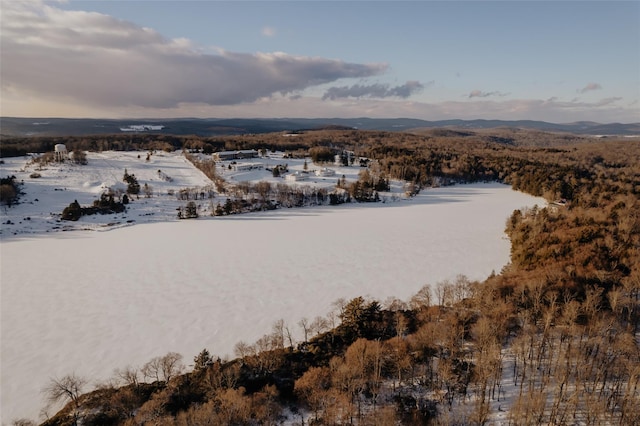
(89, 302)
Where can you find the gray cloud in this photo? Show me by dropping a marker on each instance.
(608, 101)
(374, 91)
(99, 60)
(481, 94)
(590, 87)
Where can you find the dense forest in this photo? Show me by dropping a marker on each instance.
(553, 338)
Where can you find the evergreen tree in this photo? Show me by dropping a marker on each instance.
(228, 206)
(133, 187)
(202, 360)
(191, 210)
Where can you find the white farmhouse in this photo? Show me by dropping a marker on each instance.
(235, 155)
(297, 177)
(325, 172)
(241, 167)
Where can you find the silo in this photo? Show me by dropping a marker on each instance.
(60, 152)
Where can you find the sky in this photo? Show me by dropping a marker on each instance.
(560, 61)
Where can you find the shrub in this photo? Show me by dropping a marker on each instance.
(105, 205)
(9, 191)
(72, 212)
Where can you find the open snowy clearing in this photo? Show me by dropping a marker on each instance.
(91, 302)
(164, 173)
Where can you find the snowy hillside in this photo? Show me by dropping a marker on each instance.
(164, 175)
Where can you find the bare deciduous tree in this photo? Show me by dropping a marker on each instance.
(306, 328)
(278, 334)
(242, 349)
(66, 389)
(163, 368)
(319, 325)
(128, 375)
(422, 299)
(313, 387)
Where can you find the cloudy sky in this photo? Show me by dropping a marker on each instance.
(540, 60)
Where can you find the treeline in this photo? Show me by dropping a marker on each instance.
(19, 146)
(245, 197)
(302, 141)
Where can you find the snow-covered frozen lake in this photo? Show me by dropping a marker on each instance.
(89, 302)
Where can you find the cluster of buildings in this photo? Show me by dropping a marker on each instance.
(297, 176)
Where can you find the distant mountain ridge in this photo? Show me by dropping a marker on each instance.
(12, 126)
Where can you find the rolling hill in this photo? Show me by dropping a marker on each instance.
(13, 126)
